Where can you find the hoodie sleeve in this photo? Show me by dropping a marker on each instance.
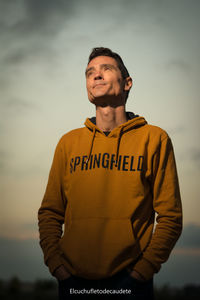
(51, 212)
(167, 205)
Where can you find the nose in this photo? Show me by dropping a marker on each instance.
(98, 75)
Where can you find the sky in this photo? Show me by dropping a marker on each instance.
(44, 48)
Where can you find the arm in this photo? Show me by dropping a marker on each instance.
(167, 204)
(52, 211)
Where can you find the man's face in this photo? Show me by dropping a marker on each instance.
(104, 79)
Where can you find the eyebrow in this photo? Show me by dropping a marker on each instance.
(101, 67)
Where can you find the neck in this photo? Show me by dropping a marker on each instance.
(108, 118)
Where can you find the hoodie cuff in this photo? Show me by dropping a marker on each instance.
(145, 269)
(53, 263)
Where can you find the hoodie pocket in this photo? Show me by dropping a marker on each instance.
(96, 247)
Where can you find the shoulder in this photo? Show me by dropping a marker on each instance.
(156, 132)
(70, 137)
(72, 134)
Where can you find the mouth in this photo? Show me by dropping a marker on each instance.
(98, 84)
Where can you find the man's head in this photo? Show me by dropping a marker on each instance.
(107, 76)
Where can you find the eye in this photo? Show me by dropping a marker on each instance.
(106, 68)
(89, 74)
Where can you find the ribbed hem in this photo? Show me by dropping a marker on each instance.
(145, 268)
(53, 263)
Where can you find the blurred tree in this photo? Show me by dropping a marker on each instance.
(14, 288)
(192, 292)
(43, 285)
(45, 289)
(163, 293)
(2, 289)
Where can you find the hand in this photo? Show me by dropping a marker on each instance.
(61, 273)
(137, 276)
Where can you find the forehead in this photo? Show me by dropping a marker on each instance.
(102, 60)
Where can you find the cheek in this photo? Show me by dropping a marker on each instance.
(88, 87)
(89, 91)
(118, 85)
(121, 84)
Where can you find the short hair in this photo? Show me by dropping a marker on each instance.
(101, 51)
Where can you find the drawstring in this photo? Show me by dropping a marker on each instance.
(91, 145)
(117, 148)
(118, 144)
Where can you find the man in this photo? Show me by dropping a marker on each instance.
(106, 182)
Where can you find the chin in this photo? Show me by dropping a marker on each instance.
(100, 101)
(96, 98)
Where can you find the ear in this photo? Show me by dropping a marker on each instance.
(128, 82)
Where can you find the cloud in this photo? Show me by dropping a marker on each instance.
(196, 155)
(176, 130)
(4, 158)
(18, 105)
(178, 64)
(29, 27)
(27, 17)
(22, 258)
(187, 251)
(20, 232)
(190, 237)
(29, 226)
(13, 109)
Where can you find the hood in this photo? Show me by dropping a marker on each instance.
(134, 121)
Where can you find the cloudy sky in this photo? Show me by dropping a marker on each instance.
(44, 47)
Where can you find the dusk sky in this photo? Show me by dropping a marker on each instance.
(44, 48)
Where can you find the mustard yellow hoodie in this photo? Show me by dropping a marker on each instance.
(106, 190)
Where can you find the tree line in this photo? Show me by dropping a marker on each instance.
(15, 289)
